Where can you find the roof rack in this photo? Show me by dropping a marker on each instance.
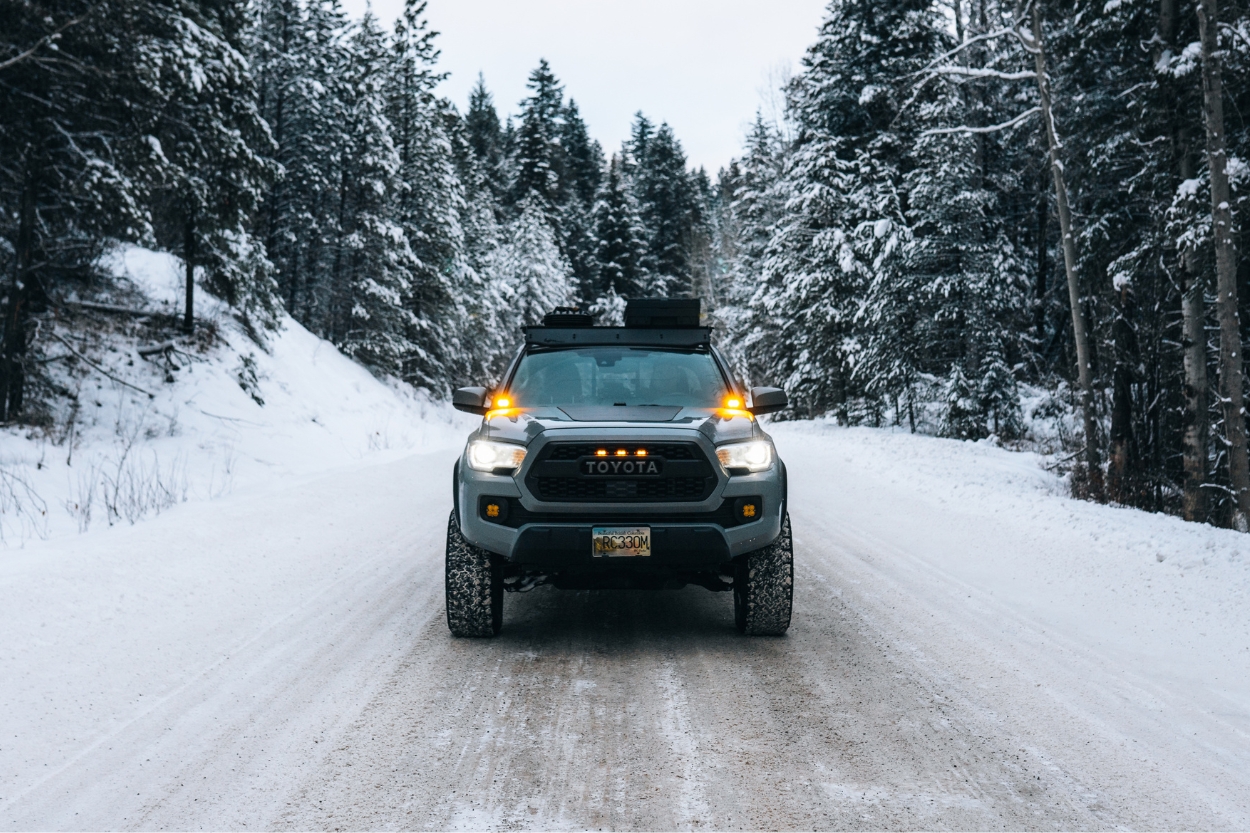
(623, 336)
(670, 322)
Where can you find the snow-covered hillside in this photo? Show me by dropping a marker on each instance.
(206, 417)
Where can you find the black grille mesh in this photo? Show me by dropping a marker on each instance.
(584, 488)
(684, 486)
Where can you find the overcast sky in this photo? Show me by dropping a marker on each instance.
(700, 65)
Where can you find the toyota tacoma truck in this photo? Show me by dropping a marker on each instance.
(619, 457)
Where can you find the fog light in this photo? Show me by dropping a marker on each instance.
(493, 509)
(748, 509)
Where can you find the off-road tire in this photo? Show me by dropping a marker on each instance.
(764, 587)
(474, 586)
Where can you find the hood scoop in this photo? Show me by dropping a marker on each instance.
(621, 413)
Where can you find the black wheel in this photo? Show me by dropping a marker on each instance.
(474, 586)
(764, 587)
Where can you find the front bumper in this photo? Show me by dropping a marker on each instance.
(561, 538)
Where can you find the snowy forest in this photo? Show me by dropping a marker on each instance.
(971, 214)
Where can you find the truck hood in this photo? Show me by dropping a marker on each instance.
(523, 425)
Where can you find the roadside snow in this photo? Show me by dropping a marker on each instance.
(126, 456)
(1162, 594)
(1134, 621)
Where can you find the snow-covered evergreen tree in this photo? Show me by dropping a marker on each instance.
(213, 146)
(485, 137)
(537, 143)
(430, 207)
(373, 262)
(667, 204)
(532, 273)
(300, 59)
(621, 238)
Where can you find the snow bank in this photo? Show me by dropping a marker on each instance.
(1143, 593)
(233, 417)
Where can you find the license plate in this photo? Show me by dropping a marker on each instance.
(614, 541)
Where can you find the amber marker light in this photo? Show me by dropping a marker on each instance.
(503, 402)
(603, 452)
(620, 452)
(642, 452)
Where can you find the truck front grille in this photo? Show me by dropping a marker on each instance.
(688, 476)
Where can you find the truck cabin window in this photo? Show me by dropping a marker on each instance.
(618, 376)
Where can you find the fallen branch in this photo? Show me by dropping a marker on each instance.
(152, 349)
(101, 370)
(113, 308)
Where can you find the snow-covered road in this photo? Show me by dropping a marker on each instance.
(970, 650)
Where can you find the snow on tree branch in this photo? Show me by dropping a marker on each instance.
(994, 128)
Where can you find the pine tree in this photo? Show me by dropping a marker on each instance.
(667, 205)
(530, 269)
(537, 141)
(371, 280)
(580, 163)
(844, 189)
(430, 206)
(485, 134)
(301, 67)
(621, 238)
(107, 116)
(214, 146)
(960, 418)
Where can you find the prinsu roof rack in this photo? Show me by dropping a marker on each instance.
(669, 322)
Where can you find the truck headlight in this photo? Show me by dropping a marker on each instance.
(485, 455)
(738, 458)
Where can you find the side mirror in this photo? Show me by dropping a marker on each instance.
(469, 400)
(767, 400)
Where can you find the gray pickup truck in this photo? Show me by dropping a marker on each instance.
(619, 457)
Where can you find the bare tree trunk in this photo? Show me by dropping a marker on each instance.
(1196, 426)
(188, 256)
(1197, 422)
(1225, 266)
(13, 346)
(1080, 332)
(1122, 464)
(1043, 259)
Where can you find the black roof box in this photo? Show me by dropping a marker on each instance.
(662, 312)
(568, 317)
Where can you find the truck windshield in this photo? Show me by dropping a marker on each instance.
(618, 376)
